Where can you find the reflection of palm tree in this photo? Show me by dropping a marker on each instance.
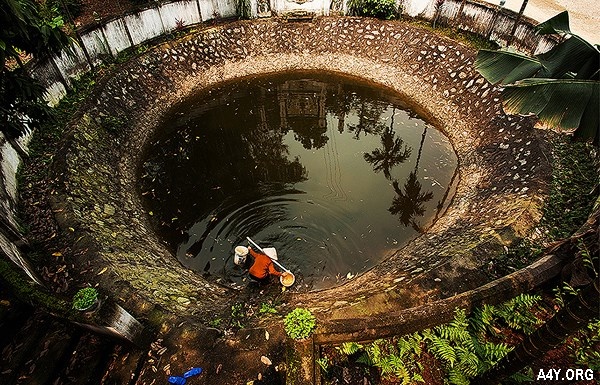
(390, 155)
(369, 116)
(311, 137)
(409, 203)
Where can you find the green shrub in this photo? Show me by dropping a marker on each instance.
(267, 308)
(243, 9)
(299, 323)
(66, 9)
(113, 124)
(85, 298)
(381, 9)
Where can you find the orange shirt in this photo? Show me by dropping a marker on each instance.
(262, 266)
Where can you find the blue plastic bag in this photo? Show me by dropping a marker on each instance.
(176, 380)
(192, 372)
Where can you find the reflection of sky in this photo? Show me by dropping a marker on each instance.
(335, 222)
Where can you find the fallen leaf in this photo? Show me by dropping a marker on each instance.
(265, 360)
(266, 335)
(102, 271)
(57, 254)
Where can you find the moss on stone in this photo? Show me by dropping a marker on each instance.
(29, 292)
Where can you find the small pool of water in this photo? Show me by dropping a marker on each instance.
(334, 172)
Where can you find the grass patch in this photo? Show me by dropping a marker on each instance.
(570, 202)
(469, 39)
(574, 176)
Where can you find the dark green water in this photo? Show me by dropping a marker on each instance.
(333, 172)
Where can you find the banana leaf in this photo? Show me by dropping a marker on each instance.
(573, 55)
(506, 67)
(567, 104)
(557, 24)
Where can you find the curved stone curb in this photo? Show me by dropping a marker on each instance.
(503, 171)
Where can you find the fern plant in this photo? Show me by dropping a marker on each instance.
(465, 347)
(517, 312)
(323, 363)
(585, 347)
(458, 348)
(349, 348)
(399, 361)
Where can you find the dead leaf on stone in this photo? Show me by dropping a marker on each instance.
(265, 360)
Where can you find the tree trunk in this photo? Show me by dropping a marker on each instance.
(573, 316)
(514, 28)
(460, 11)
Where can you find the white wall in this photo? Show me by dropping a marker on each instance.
(319, 7)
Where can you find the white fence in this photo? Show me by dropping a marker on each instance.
(134, 29)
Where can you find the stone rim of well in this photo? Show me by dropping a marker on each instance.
(497, 200)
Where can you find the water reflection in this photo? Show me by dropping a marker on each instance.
(295, 161)
(391, 153)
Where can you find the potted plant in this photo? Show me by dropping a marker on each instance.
(85, 299)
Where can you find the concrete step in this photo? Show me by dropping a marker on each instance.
(21, 342)
(124, 365)
(47, 354)
(39, 349)
(87, 361)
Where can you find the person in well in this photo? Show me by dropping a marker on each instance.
(262, 267)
